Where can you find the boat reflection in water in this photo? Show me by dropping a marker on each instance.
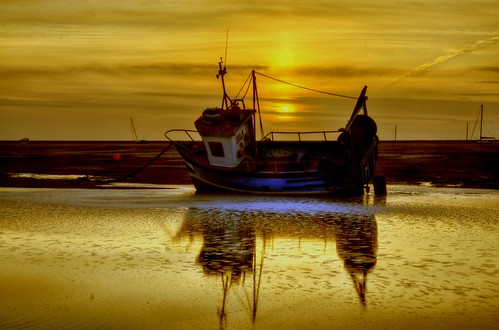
(237, 236)
(228, 252)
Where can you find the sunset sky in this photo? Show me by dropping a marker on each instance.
(79, 70)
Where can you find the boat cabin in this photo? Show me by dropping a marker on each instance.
(227, 134)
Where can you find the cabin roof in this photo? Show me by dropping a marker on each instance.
(226, 126)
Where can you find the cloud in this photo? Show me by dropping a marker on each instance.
(493, 69)
(478, 94)
(344, 71)
(441, 59)
(151, 69)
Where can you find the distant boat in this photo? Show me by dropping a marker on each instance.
(25, 140)
(482, 138)
(229, 158)
(134, 134)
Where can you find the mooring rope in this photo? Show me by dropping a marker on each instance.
(145, 166)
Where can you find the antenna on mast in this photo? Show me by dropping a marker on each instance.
(221, 74)
(226, 44)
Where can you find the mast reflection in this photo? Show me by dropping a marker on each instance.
(357, 245)
(228, 251)
(235, 242)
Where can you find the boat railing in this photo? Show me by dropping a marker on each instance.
(367, 162)
(188, 133)
(178, 143)
(304, 136)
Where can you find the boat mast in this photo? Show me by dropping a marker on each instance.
(256, 105)
(221, 74)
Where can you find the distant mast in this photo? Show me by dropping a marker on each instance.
(482, 138)
(481, 122)
(135, 138)
(134, 132)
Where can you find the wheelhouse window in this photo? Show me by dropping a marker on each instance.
(216, 149)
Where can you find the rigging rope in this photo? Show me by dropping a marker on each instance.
(247, 88)
(302, 87)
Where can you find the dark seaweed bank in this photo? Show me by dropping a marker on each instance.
(96, 164)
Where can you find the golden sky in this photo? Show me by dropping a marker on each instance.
(79, 70)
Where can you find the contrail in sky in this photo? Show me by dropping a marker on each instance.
(477, 45)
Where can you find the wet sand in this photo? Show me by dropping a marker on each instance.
(441, 163)
(419, 258)
(88, 164)
(74, 164)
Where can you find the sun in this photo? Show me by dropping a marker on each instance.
(285, 109)
(283, 112)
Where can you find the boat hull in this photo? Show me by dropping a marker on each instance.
(318, 179)
(271, 186)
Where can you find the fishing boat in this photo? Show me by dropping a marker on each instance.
(230, 158)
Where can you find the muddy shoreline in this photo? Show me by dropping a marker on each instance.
(77, 164)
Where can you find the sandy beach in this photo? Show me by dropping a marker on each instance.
(75, 164)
